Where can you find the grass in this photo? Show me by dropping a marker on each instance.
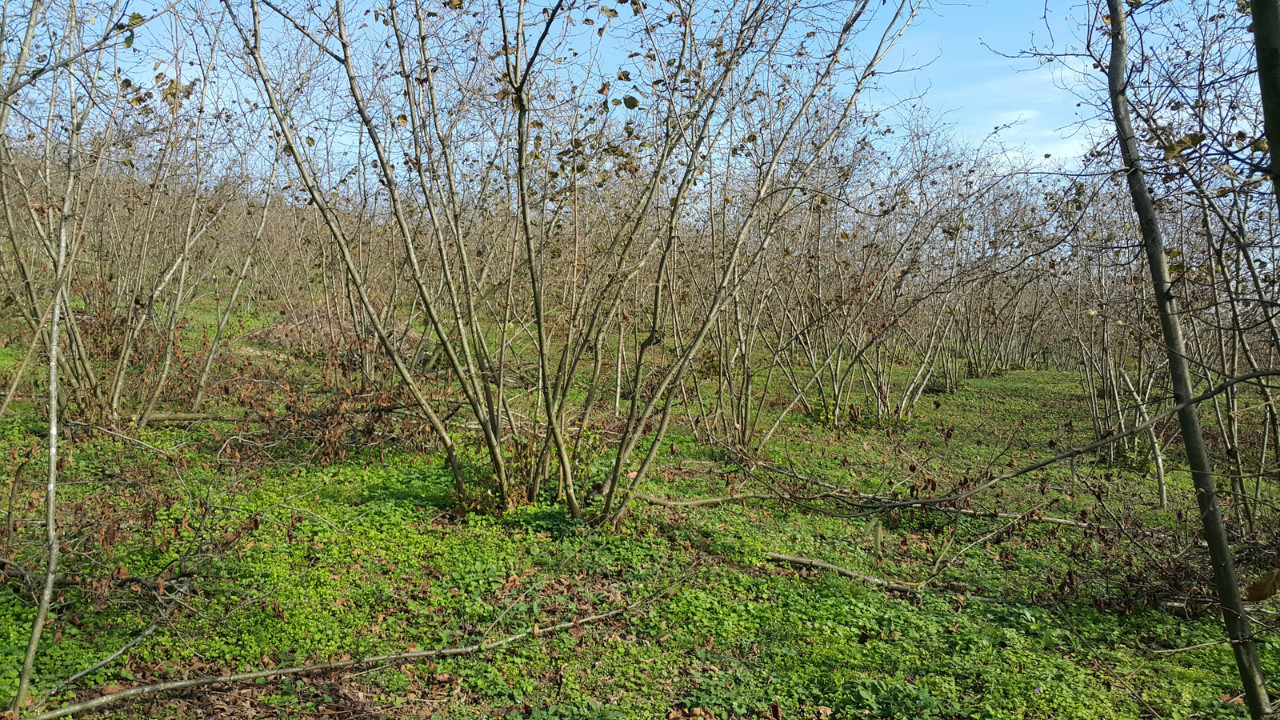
(10, 356)
(300, 563)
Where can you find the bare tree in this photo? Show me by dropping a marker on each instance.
(1215, 534)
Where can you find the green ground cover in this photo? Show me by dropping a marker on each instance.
(297, 563)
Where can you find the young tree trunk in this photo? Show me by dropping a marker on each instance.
(1215, 533)
(1266, 41)
(65, 227)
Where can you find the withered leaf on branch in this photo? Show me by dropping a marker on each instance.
(1183, 144)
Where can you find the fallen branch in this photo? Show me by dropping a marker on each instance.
(873, 504)
(1169, 651)
(715, 500)
(14, 570)
(1046, 519)
(145, 690)
(267, 418)
(1076, 452)
(810, 562)
(948, 503)
(923, 505)
(98, 665)
(908, 588)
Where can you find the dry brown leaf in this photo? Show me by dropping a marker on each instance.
(1264, 587)
(1182, 144)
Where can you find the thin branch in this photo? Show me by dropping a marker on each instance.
(145, 690)
(810, 562)
(1076, 452)
(125, 648)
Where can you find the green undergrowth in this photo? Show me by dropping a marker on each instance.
(299, 564)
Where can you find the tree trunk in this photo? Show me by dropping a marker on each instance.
(1215, 533)
(1266, 41)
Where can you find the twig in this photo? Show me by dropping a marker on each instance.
(13, 496)
(927, 505)
(939, 566)
(168, 454)
(1143, 427)
(887, 584)
(1170, 651)
(13, 569)
(909, 588)
(143, 636)
(710, 501)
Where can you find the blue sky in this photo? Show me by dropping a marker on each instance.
(973, 89)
